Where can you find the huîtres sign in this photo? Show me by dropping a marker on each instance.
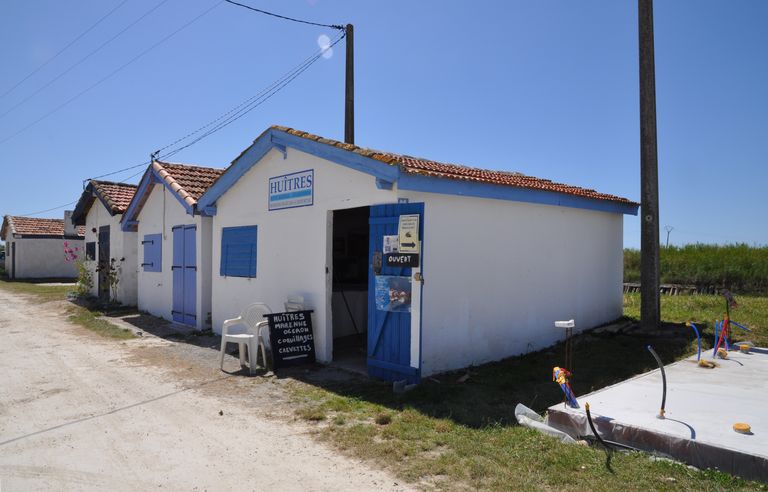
(292, 190)
(291, 338)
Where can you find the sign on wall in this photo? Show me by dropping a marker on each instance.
(291, 338)
(408, 232)
(292, 190)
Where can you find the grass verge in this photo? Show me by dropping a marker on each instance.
(76, 314)
(455, 435)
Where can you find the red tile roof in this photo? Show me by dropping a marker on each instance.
(189, 182)
(33, 226)
(117, 195)
(426, 167)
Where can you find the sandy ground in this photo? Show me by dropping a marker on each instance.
(80, 412)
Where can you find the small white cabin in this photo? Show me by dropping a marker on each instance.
(412, 266)
(35, 248)
(110, 252)
(174, 242)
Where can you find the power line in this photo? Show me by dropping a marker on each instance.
(111, 74)
(242, 112)
(47, 210)
(233, 114)
(62, 50)
(253, 102)
(332, 26)
(81, 60)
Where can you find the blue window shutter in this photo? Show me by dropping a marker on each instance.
(238, 251)
(153, 253)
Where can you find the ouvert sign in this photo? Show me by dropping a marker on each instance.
(292, 190)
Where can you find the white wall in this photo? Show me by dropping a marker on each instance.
(293, 244)
(42, 258)
(160, 213)
(121, 245)
(499, 273)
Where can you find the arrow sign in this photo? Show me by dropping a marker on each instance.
(408, 233)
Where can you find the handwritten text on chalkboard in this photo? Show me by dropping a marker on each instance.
(291, 338)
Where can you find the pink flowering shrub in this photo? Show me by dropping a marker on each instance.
(70, 254)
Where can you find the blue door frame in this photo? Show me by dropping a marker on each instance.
(390, 332)
(184, 268)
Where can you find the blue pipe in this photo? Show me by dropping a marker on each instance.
(698, 338)
(740, 326)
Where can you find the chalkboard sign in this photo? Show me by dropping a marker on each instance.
(291, 338)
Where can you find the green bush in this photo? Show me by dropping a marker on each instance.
(737, 267)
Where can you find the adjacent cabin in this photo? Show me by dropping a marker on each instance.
(411, 266)
(174, 242)
(110, 252)
(35, 248)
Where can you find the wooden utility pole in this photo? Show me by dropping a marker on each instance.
(649, 173)
(349, 96)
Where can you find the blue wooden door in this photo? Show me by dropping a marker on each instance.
(391, 333)
(184, 270)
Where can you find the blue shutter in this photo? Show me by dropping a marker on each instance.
(153, 253)
(238, 251)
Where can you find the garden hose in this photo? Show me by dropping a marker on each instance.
(663, 379)
(592, 426)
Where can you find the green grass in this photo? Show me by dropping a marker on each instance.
(703, 310)
(76, 314)
(738, 267)
(460, 436)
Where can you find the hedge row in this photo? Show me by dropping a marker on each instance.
(737, 267)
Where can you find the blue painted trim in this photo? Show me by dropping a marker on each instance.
(129, 222)
(283, 150)
(150, 177)
(386, 173)
(382, 364)
(239, 167)
(503, 192)
(338, 155)
(209, 211)
(280, 139)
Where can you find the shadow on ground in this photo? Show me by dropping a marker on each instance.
(490, 392)
(484, 395)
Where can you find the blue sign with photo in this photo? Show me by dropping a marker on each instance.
(393, 293)
(292, 190)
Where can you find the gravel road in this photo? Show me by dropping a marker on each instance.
(80, 412)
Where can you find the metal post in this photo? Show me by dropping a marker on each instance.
(649, 173)
(349, 97)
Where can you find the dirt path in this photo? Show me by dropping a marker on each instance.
(82, 412)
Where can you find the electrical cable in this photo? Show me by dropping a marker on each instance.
(332, 26)
(236, 112)
(62, 50)
(81, 60)
(111, 74)
(47, 210)
(664, 381)
(242, 112)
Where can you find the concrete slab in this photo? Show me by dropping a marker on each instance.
(702, 406)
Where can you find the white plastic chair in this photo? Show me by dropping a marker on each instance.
(245, 330)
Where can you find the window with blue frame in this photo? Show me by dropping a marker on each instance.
(238, 251)
(152, 245)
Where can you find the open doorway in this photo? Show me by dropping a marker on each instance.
(349, 302)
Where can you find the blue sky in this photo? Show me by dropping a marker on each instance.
(546, 88)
